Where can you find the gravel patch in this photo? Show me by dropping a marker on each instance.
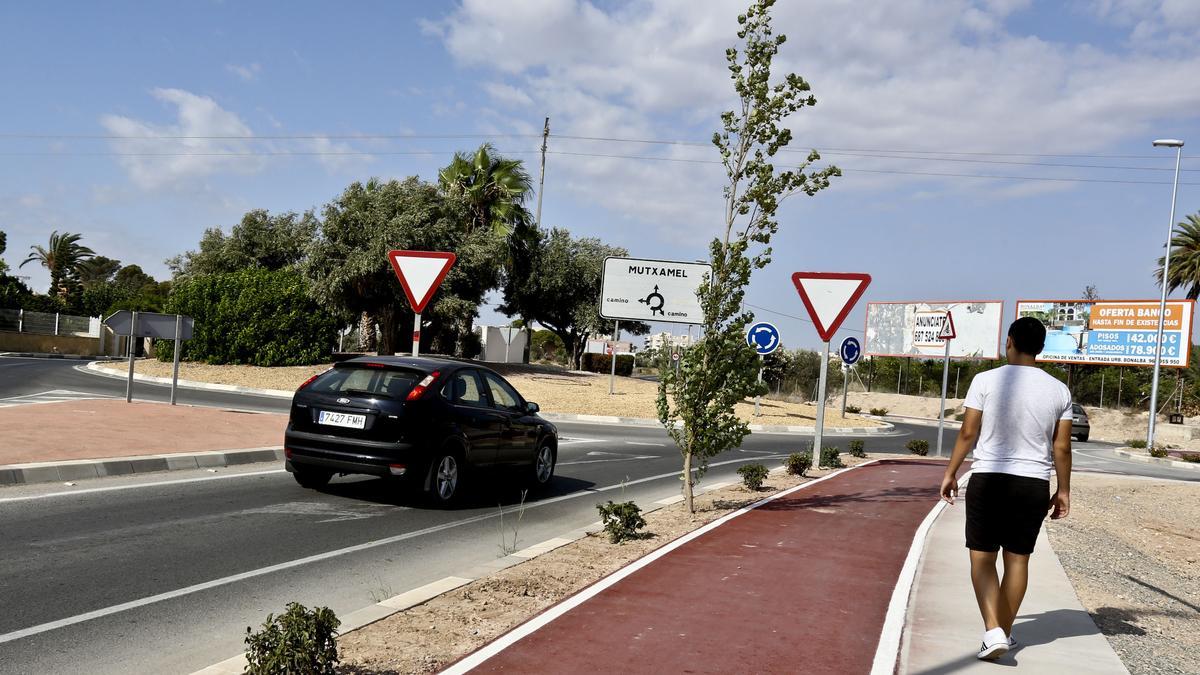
(569, 392)
(1130, 548)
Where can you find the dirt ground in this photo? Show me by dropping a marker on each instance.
(430, 636)
(1130, 547)
(556, 391)
(902, 404)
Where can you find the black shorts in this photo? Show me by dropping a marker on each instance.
(1005, 511)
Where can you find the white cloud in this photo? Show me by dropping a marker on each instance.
(247, 73)
(944, 75)
(205, 139)
(337, 156)
(508, 95)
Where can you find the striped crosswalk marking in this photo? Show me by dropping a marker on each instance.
(53, 396)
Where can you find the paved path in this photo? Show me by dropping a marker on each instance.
(800, 584)
(944, 628)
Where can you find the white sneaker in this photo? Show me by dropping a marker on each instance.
(995, 644)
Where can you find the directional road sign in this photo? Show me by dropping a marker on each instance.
(150, 325)
(829, 297)
(764, 337)
(850, 351)
(652, 290)
(420, 273)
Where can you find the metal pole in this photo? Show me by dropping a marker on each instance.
(508, 344)
(945, 385)
(175, 370)
(612, 377)
(129, 383)
(1102, 389)
(416, 334)
(899, 373)
(1162, 305)
(816, 459)
(758, 399)
(1120, 382)
(542, 178)
(845, 387)
(957, 374)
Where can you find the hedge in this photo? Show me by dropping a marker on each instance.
(602, 363)
(257, 317)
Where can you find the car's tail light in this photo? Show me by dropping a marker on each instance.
(287, 452)
(419, 390)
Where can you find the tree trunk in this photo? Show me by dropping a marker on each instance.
(366, 333)
(387, 331)
(687, 482)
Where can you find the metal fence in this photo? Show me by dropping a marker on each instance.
(20, 321)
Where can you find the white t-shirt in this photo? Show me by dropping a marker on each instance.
(1021, 407)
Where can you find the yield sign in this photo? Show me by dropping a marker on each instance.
(829, 297)
(947, 332)
(420, 273)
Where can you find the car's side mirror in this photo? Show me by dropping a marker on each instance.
(531, 408)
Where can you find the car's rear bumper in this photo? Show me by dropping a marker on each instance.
(346, 455)
(1077, 429)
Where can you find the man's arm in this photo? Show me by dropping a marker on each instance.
(968, 435)
(1061, 501)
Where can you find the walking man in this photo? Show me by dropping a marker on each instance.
(1018, 420)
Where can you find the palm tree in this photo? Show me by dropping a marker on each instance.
(60, 257)
(1185, 258)
(493, 187)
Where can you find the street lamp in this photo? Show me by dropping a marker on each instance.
(1162, 304)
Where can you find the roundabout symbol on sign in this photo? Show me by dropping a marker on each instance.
(764, 337)
(850, 351)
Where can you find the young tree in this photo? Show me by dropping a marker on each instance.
(721, 370)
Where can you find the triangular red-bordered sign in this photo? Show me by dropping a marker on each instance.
(829, 297)
(947, 332)
(420, 273)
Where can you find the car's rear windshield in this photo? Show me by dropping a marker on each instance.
(1076, 408)
(362, 380)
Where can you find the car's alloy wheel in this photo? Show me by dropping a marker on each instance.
(543, 467)
(445, 478)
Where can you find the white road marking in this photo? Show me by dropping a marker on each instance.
(654, 445)
(569, 440)
(52, 396)
(625, 458)
(114, 488)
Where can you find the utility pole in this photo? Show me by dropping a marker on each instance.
(542, 177)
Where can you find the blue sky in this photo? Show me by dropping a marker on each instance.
(900, 86)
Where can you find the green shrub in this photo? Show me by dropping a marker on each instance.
(831, 457)
(621, 521)
(602, 363)
(298, 641)
(858, 448)
(948, 412)
(918, 446)
(798, 463)
(961, 416)
(879, 412)
(1158, 451)
(853, 409)
(255, 316)
(752, 475)
(1136, 443)
(1193, 457)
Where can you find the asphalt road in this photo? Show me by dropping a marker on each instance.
(164, 573)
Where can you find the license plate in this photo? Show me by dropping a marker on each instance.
(337, 419)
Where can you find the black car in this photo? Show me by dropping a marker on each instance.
(427, 420)
(1081, 426)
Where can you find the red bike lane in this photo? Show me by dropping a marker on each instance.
(800, 584)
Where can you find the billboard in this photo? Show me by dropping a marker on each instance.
(1112, 332)
(652, 290)
(912, 328)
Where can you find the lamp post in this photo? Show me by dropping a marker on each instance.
(1162, 303)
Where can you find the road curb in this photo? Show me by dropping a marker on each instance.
(1139, 457)
(80, 469)
(46, 355)
(888, 428)
(187, 384)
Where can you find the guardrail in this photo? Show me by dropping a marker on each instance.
(42, 323)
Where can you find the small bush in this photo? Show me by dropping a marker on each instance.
(948, 412)
(879, 412)
(1158, 451)
(1193, 457)
(831, 457)
(798, 463)
(853, 409)
(602, 363)
(753, 475)
(918, 446)
(621, 521)
(298, 641)
(1136, 443)
(961, 416)
(858, 448)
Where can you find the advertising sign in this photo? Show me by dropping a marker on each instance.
(1112, 332)
(652, 290)
(915, 329)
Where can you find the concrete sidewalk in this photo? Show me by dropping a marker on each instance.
(943, 630)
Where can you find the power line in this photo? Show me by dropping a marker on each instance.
(797, 318)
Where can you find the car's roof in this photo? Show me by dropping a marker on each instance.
(423, 363)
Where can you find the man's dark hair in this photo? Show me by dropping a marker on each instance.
(1028, 335)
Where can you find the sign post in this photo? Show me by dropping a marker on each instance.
(148, 324)
(612, 376)
(764, 337)
(946, 335)
(828, 297)
(635, 289)
(129, 382)
(420, 273)
(850, 351)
